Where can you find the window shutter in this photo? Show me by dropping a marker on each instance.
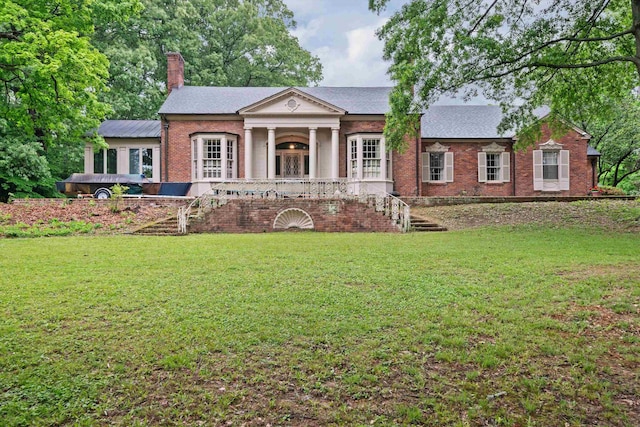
(482, 167)
(537, 170)
(505, 166)
(564, 170)
(425, 167)
(448, 167)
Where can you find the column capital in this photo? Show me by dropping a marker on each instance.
(271, 128)
(335, 129)
(313, 128)
(248, 128)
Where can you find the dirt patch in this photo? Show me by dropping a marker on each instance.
(613, 215)
(123, 220)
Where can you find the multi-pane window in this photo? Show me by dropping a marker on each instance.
(493, 167)
(370, 158)
(353, 158)
(436, 166)
(211, 159)
(230, 155)
(367, 157)
(105, 160)
(214, 157)
(141, 161)
(550, 165)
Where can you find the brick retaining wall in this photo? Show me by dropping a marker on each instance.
(463, 200)
(127, 201)
(258, 216)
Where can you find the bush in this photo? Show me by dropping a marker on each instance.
(611, 191)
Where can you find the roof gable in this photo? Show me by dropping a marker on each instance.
(292, 101)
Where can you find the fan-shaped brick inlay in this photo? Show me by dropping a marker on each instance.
(293, 218)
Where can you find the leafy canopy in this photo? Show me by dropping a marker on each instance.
(521, 54)
(51, 75)
(223, 42)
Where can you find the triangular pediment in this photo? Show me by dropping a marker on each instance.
(292, 101)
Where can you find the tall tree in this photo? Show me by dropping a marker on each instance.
(223, 42)
(51, 75)
(520, 53)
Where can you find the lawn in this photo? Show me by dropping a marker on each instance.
(514, 326)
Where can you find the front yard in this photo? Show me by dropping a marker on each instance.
(516, 326)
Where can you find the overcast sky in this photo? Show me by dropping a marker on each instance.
(342, 34)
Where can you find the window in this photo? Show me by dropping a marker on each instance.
(214, 157)
(141, 161)
(551, 167)
(370, 158)
(367, 158)
(437, 164)
(494, 164)
(105, 160)
(493, 167)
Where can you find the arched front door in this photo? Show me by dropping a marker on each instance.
(292, 160)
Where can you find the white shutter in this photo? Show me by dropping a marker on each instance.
(505, 166)
(564, 170)
(482, 167)
(425, 167)
(537, 170)
(448, 167)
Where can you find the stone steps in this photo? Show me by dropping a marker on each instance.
(164, 227)
(423, 225)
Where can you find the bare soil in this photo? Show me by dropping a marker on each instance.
(122, 220)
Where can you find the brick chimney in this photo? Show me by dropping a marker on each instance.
(175, 71)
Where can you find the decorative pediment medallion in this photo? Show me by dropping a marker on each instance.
(493, 148)
(551, 145)
(292, 101)
(436, 148)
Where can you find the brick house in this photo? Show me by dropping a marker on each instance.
(212, 135)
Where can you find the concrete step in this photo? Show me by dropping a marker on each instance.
(424, 225)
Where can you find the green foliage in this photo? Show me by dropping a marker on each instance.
(444, 332)
(223, 42)
(48, 229)
(117, 193)
(24, 172)
(522, 55)
(51, 75)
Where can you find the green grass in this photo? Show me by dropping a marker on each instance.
(515, 327)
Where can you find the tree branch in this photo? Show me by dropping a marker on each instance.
(486, 13)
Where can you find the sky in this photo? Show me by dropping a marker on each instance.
(342, 34)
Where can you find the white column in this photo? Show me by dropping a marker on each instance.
(248, 153)
(313, 153)
(335, 152)
(88, 158)
(200, 150)
(271, 153)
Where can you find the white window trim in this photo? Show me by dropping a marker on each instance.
(505, 164)
(447, 175)
(197, 150)
(385, 158)
(552, 185)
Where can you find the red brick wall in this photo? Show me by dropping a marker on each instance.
(580, 166)
(175, 71)
(179, 159)
(465, 172)
(258, 216)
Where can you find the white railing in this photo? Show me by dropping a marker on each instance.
(370, 194)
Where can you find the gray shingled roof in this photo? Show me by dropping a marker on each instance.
(462, 121)
(592, 151)
(130, 129)
(228, 100)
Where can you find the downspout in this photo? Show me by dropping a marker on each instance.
(418, 154)
(166, 150)
(513, 169)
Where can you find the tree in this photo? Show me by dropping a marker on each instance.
(521, 54)
(223, 42)
(618, 141)
(51, 80)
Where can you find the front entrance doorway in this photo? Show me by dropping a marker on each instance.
(292, 160)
